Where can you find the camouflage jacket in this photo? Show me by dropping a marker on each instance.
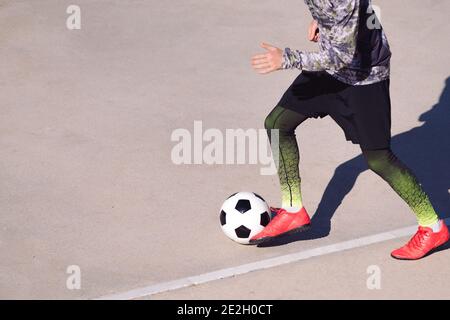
(352, 47)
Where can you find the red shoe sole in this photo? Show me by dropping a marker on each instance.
(289, 232)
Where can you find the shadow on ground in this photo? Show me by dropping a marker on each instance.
(425, 149)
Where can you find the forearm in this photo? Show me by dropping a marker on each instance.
(308, 61)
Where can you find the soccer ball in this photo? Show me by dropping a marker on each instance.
(243, 215)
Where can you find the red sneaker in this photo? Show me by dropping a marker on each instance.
(422, 243)
(283, 223)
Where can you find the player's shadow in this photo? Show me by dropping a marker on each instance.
(425, 149)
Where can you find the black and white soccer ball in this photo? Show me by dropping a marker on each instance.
(243, 215)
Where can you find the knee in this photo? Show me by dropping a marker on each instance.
(276, 120)
(377, 160)
(269, 122)
(376, 165)
(283, 120)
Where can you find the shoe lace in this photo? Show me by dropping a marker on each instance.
(273, 223)
(273, 209)
(418, 240)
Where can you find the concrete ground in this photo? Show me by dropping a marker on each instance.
(86, 176)
(342, 275)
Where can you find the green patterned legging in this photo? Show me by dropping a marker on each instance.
(383, 162)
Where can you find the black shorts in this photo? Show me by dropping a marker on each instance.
(363, 112)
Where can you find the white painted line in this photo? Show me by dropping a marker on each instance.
(262, 264)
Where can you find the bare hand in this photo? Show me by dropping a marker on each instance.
(313, 31)
(269, 61)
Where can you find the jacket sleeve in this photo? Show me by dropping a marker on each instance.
(339, 46)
